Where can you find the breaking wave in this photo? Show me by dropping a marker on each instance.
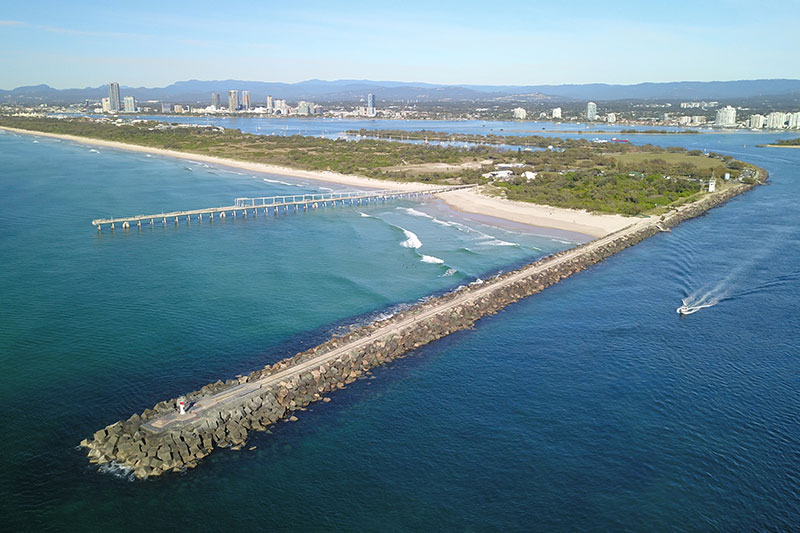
(412, 241)
(431, 259)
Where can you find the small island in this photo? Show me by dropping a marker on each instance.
(785, 143)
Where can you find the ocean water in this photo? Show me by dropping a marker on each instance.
(592, 406)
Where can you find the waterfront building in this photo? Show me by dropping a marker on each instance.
(611, 118)
(113, 97)
(129, 104)
(520, 113)
(165, 107)
(371, 110)
(281, 107)
(233, 100)
(794, 120)
(105, 103)
(776, 120)
(698, 119)
(215, 102)
(270, 104)
(246, 104)
(556, 112)
(177, 108)
(591, 111)
(757, 121)
(726, 117)
(304, 108)
(684, 120)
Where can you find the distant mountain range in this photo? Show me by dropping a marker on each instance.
(354, 90)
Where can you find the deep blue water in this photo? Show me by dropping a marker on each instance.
(591, 406)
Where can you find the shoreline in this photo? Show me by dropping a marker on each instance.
(782, 145)
(533, 215)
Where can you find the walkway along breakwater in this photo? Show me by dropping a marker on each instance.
(243, 206)
(222, 414)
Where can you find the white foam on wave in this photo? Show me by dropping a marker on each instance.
(442, 223)
(93, 150)
(431, 259)
(148, 155)
(448, 273)
(413, 212)
(498, 242)
(117, 470)
(36, 142)
(365, 215)
(277, 181)
(412, 241)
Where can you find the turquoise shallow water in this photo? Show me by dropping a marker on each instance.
(591, 406)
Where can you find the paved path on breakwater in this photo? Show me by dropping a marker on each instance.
(240, 393)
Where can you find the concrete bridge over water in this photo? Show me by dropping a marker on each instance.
(251, 205)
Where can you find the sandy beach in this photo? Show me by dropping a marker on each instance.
(472, 201)
(468, 201)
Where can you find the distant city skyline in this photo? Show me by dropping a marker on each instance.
(79, 44)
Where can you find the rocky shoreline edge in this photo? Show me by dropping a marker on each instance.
(133, 446)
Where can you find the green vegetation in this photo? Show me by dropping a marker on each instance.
(576, 173)
(786, 142)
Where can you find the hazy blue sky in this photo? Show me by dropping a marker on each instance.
(78, 44)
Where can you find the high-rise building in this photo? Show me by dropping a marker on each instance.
(757, 121)
(611, 118)
(726, 116)
(520, 113)
(794, 120)
(304, 108)
(270, 104)
(215, 100)
(106, 105)
(113, 97)
(246, 101)
(591, 111)
(556, 112)
(129, 104)
(233, 100)
(776, 120)
(165, 107)
(371, 111)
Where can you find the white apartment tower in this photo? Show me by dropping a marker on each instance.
(726, 116)
(591, 111)
(520, 113)
(246, 104)
(757, 121)
(556, 112)
(129, 104)
(776, 120)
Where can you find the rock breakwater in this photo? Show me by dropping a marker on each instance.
(223, 414)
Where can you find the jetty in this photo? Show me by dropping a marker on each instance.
(169, 438)
(252, 205)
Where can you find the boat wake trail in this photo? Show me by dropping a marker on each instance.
(707, 296)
